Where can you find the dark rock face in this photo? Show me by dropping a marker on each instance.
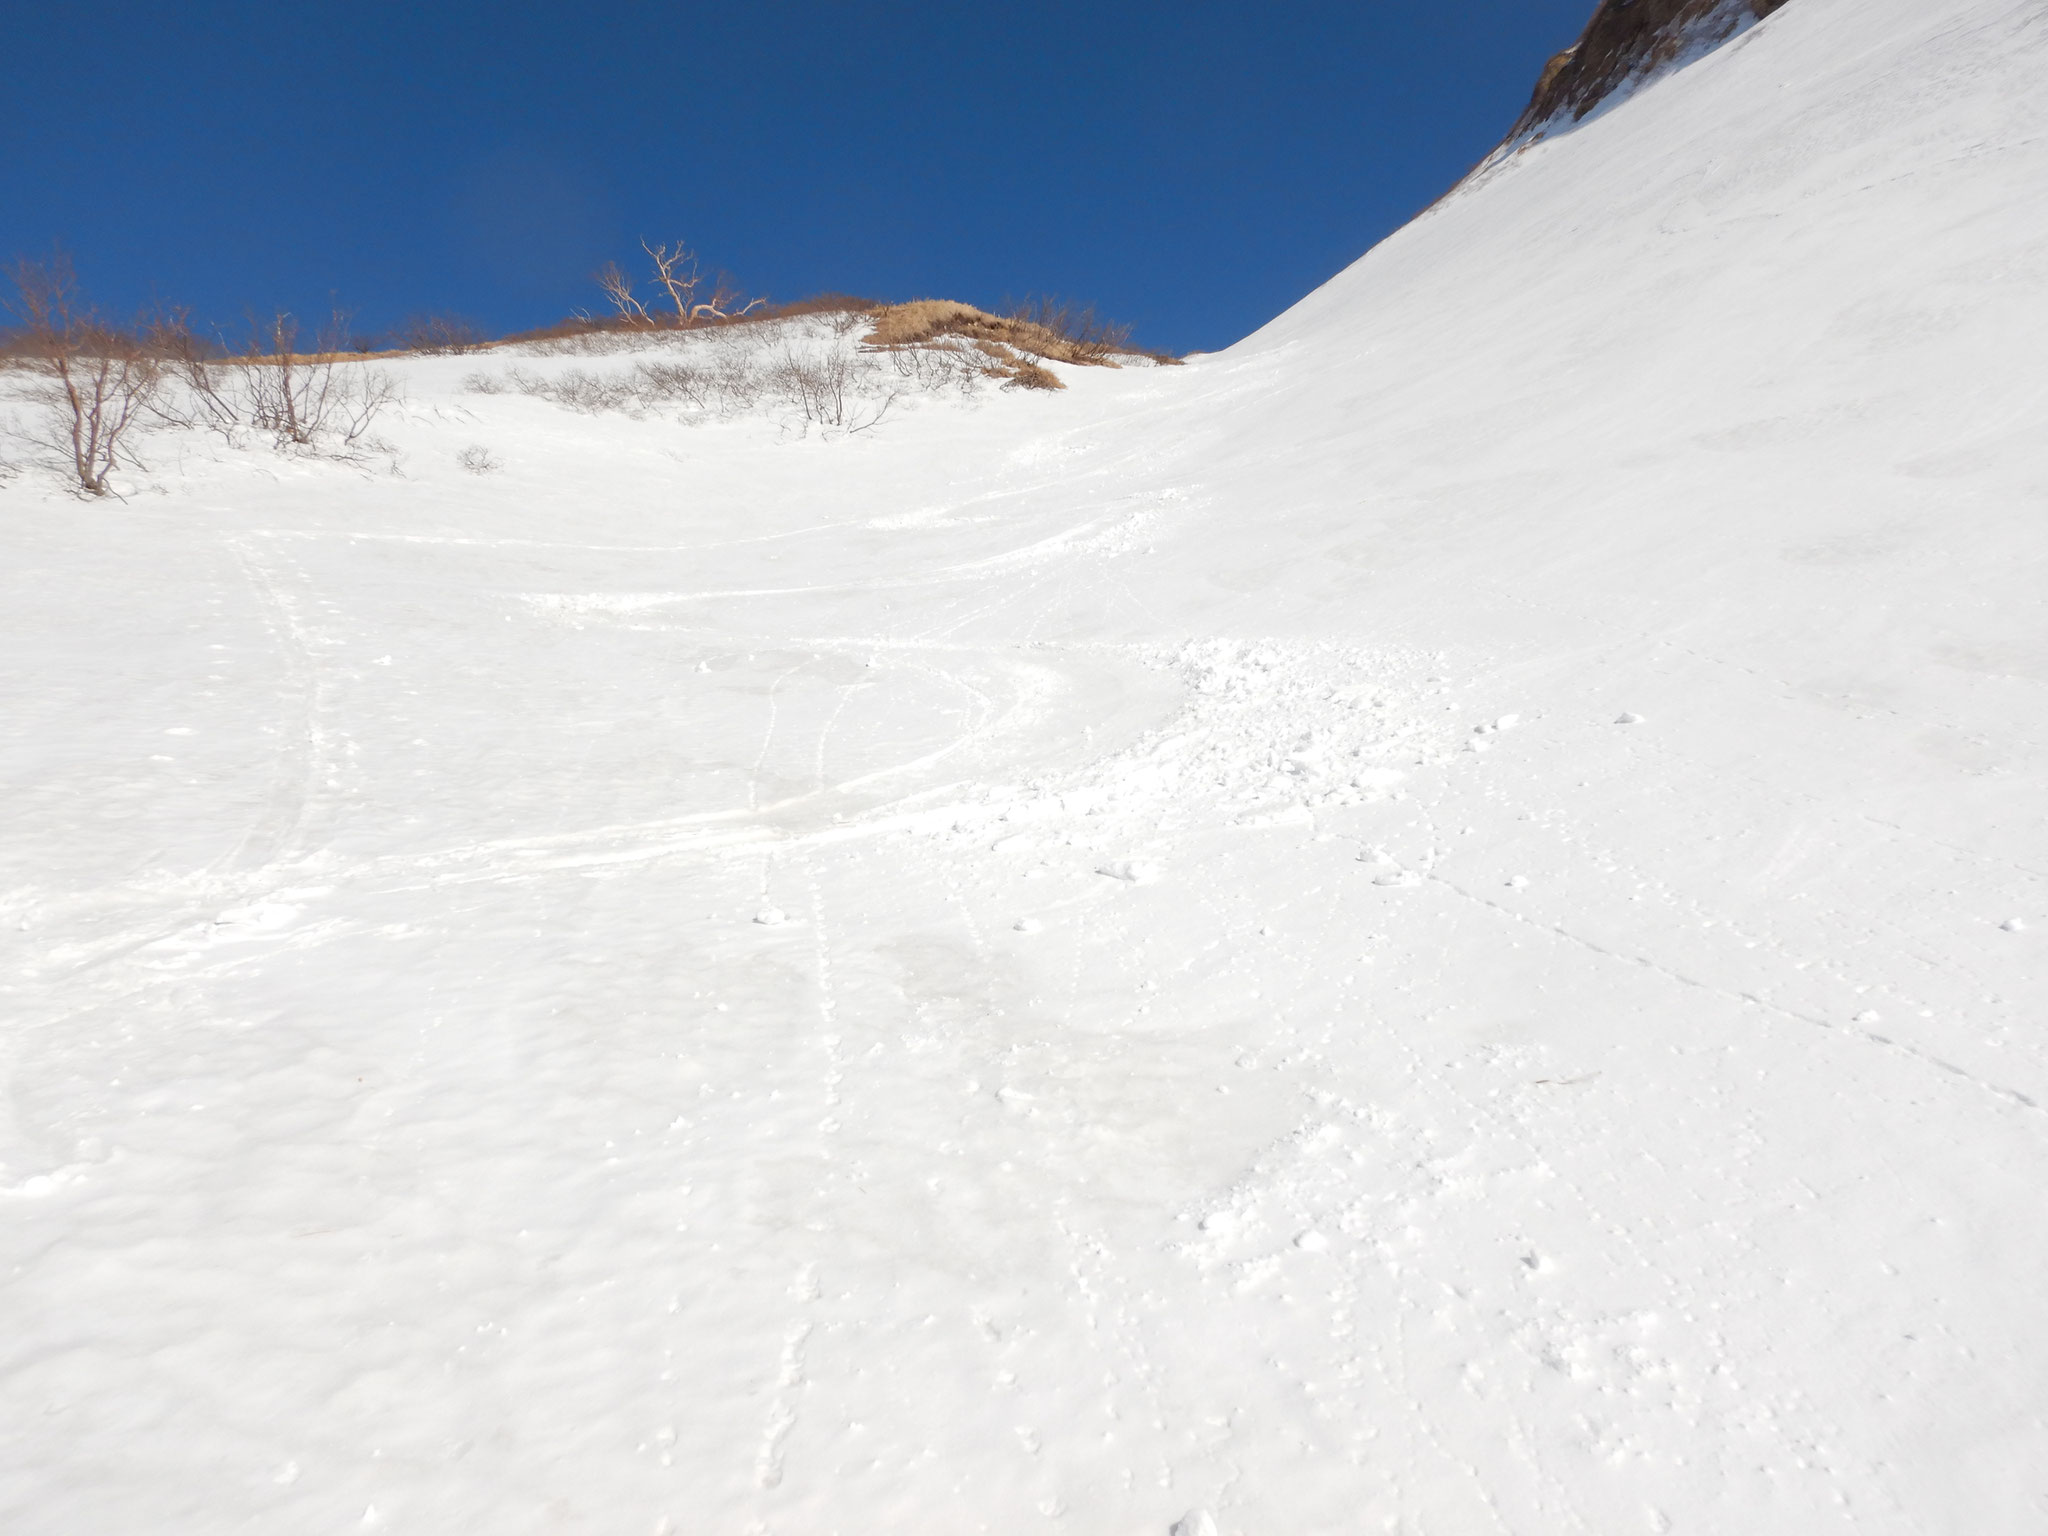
(1627, 42)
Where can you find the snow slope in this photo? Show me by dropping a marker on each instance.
(1430, 924)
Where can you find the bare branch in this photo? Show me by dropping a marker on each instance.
(317, 401)
(675, 268)
(720, 305)
(95, 381)
(619, 289)
(189, 361)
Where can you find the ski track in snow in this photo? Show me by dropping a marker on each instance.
(1425, 925)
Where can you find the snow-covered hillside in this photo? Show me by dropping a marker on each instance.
(1433, 923)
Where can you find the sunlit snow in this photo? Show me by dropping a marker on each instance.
(1432, 923)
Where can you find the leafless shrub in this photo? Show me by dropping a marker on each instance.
(845, 322)
(673, 381)
(284, 392)
(735, 380)
(830, 389)
(957, 342)
(362, 399)
(311, 400)
(638, 388)
(815, 370)
(1025, 374)
(439, 335)
(816, 386)
(479, 460)
(578, 390)
(196, 394)
(599, 343)
(1083, 335)
(942, 367)
(585, 391)
(92, 380)
(1079, 334)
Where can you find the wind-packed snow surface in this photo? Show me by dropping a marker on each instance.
(1432, 924)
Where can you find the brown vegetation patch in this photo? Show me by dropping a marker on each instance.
(1627, 39)
(1025, 374)
(1043, 329)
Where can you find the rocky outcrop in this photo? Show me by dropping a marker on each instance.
(1625, 45)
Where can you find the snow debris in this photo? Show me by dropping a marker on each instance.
(1132, 871)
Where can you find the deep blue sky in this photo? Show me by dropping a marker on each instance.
(1189, 166)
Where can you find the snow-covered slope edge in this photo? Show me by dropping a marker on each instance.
(1432, 923)
(1626, 45)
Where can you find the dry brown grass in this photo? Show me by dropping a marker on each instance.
(1025, 374)
(923, 321)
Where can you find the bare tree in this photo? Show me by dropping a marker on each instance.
(675, 268)
(619, 289)
(677, 276)
(93, 379)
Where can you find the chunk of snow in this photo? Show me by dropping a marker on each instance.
(1132, 871)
